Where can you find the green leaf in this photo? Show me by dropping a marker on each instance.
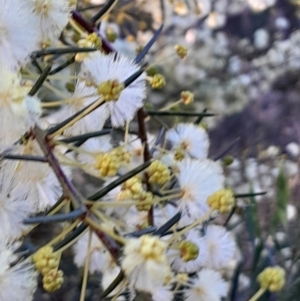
(251, 219)
(282, 197)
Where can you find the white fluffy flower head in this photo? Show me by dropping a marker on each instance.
(190, 139)
(145, 263)
(22, 276)
(51, 16)
(208, 286)
(221, 247)
(197, 180)
(100, 69)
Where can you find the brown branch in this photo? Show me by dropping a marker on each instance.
(142, 133)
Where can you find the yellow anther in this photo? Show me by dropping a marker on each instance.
(45, 260)
(53, 280)
(181, 51)
(159, 173)
(188, 250)
(158, 81)
(187, 97)
(222, 200)
(272, 278)
(110, 90)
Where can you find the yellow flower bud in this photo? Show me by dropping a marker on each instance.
(187, 97)
(222, 200)
(53, 280)
(111, 35)
(272, 278)
(45, 260)
(95, 40)
(181, 51)
(158, 81)
(188, 250)
(107, 165)
(145, 196)
(122, 155)
(92, 41)
(159, 173)
(110, 90)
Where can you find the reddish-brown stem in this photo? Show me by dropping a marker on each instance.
(141, 115)
(68, 188)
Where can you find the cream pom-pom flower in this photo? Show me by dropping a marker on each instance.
(50, 17)
(145, 263)
(221, 247)
(83, 96)
(35, 182)
(198, 179)
(188, 139)
(208, 286)
(22, 275)
(18, 111)
(18, 37)
(115, 68)
(13, 206)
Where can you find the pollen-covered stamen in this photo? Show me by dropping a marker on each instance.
(159, 173)
(45, 260)
(107, 165)
(110, 90)
(188, 250)
(53, 280)
(222, 200)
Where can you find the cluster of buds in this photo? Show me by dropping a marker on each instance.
(187, 97)
(272, 279)
(121, 155)
(223, 200)
(47, 262)
(159, 173)
(158, 81)
(91, 41)
(181, 51)
(133, 189)
(107, 164)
